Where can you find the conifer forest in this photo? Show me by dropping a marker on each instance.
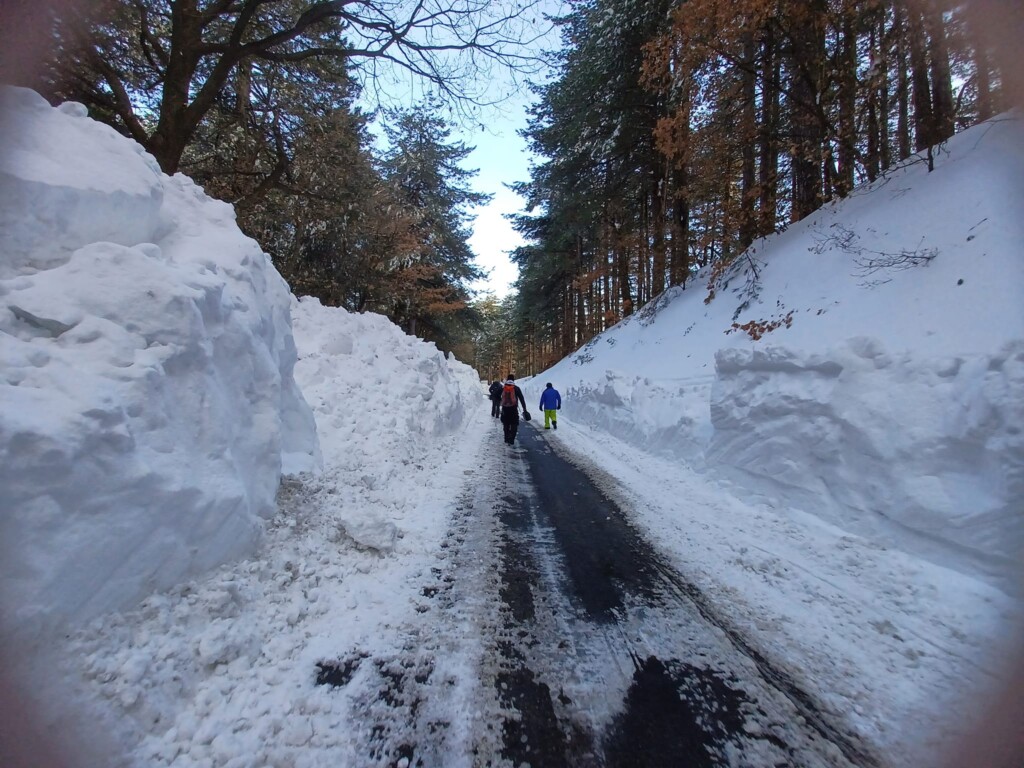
(671, 136)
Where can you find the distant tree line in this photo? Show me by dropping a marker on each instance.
(677, 133)
(256, 101)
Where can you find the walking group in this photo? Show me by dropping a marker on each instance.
(506, 399)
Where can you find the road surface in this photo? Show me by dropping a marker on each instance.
(588, 648)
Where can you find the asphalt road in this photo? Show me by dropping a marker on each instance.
(588, 647)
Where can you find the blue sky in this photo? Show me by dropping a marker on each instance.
(502, 158)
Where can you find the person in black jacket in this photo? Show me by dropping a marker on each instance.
(511, 397)
(494, 393)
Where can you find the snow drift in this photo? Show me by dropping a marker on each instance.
(147, 373)
(891, 446)
(217, 670)
(380, 398)
(889, 397)
(369, 381)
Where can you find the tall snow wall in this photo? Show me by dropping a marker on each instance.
(147, 403)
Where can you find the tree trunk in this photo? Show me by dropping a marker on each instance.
(657, 228)
(942, 82)
(168, 141)
(808, 53)
(680, 179)
(902, 83)
(568, 332)
(243, 93)
(581, 317)
(593, 313)
(924, 116)
(884, 140)
(844, 180)
(871, 157)
(768, 170)
(681, 229)
(748, 139)
(625, 295)
(606, 309)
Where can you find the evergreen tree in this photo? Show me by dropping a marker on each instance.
(429, 283)
(675, 135)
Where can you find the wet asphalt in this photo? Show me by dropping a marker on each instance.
(703, 703)
(575, 643)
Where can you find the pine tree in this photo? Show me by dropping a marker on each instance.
(422, 168)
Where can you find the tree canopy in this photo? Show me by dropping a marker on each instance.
(675, 134)
(669, 138)
(157, 68)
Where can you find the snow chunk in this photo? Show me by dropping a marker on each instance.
(370, 532)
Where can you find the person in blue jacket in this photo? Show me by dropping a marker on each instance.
(550, 403)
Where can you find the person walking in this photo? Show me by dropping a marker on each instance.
(550, 403)
(494, 392)
(511, 397)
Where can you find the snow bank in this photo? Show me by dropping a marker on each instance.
(665, 416)
(370, 384)
(221, 670)
(379, 395)
(146, 360)
(927, 455)
(900, 362)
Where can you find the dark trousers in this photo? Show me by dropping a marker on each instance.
(510, 421)
(495, 408)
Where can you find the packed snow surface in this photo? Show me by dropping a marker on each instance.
(845, 489)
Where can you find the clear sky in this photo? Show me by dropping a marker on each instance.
(501, 158)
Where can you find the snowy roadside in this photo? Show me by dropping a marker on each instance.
(890, 643)
(222, 671)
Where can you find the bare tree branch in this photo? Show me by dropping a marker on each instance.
(121, 101)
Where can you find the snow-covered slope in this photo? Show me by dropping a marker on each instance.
(146, 361)
(890, 398)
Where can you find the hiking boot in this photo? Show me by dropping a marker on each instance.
(554, 424)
